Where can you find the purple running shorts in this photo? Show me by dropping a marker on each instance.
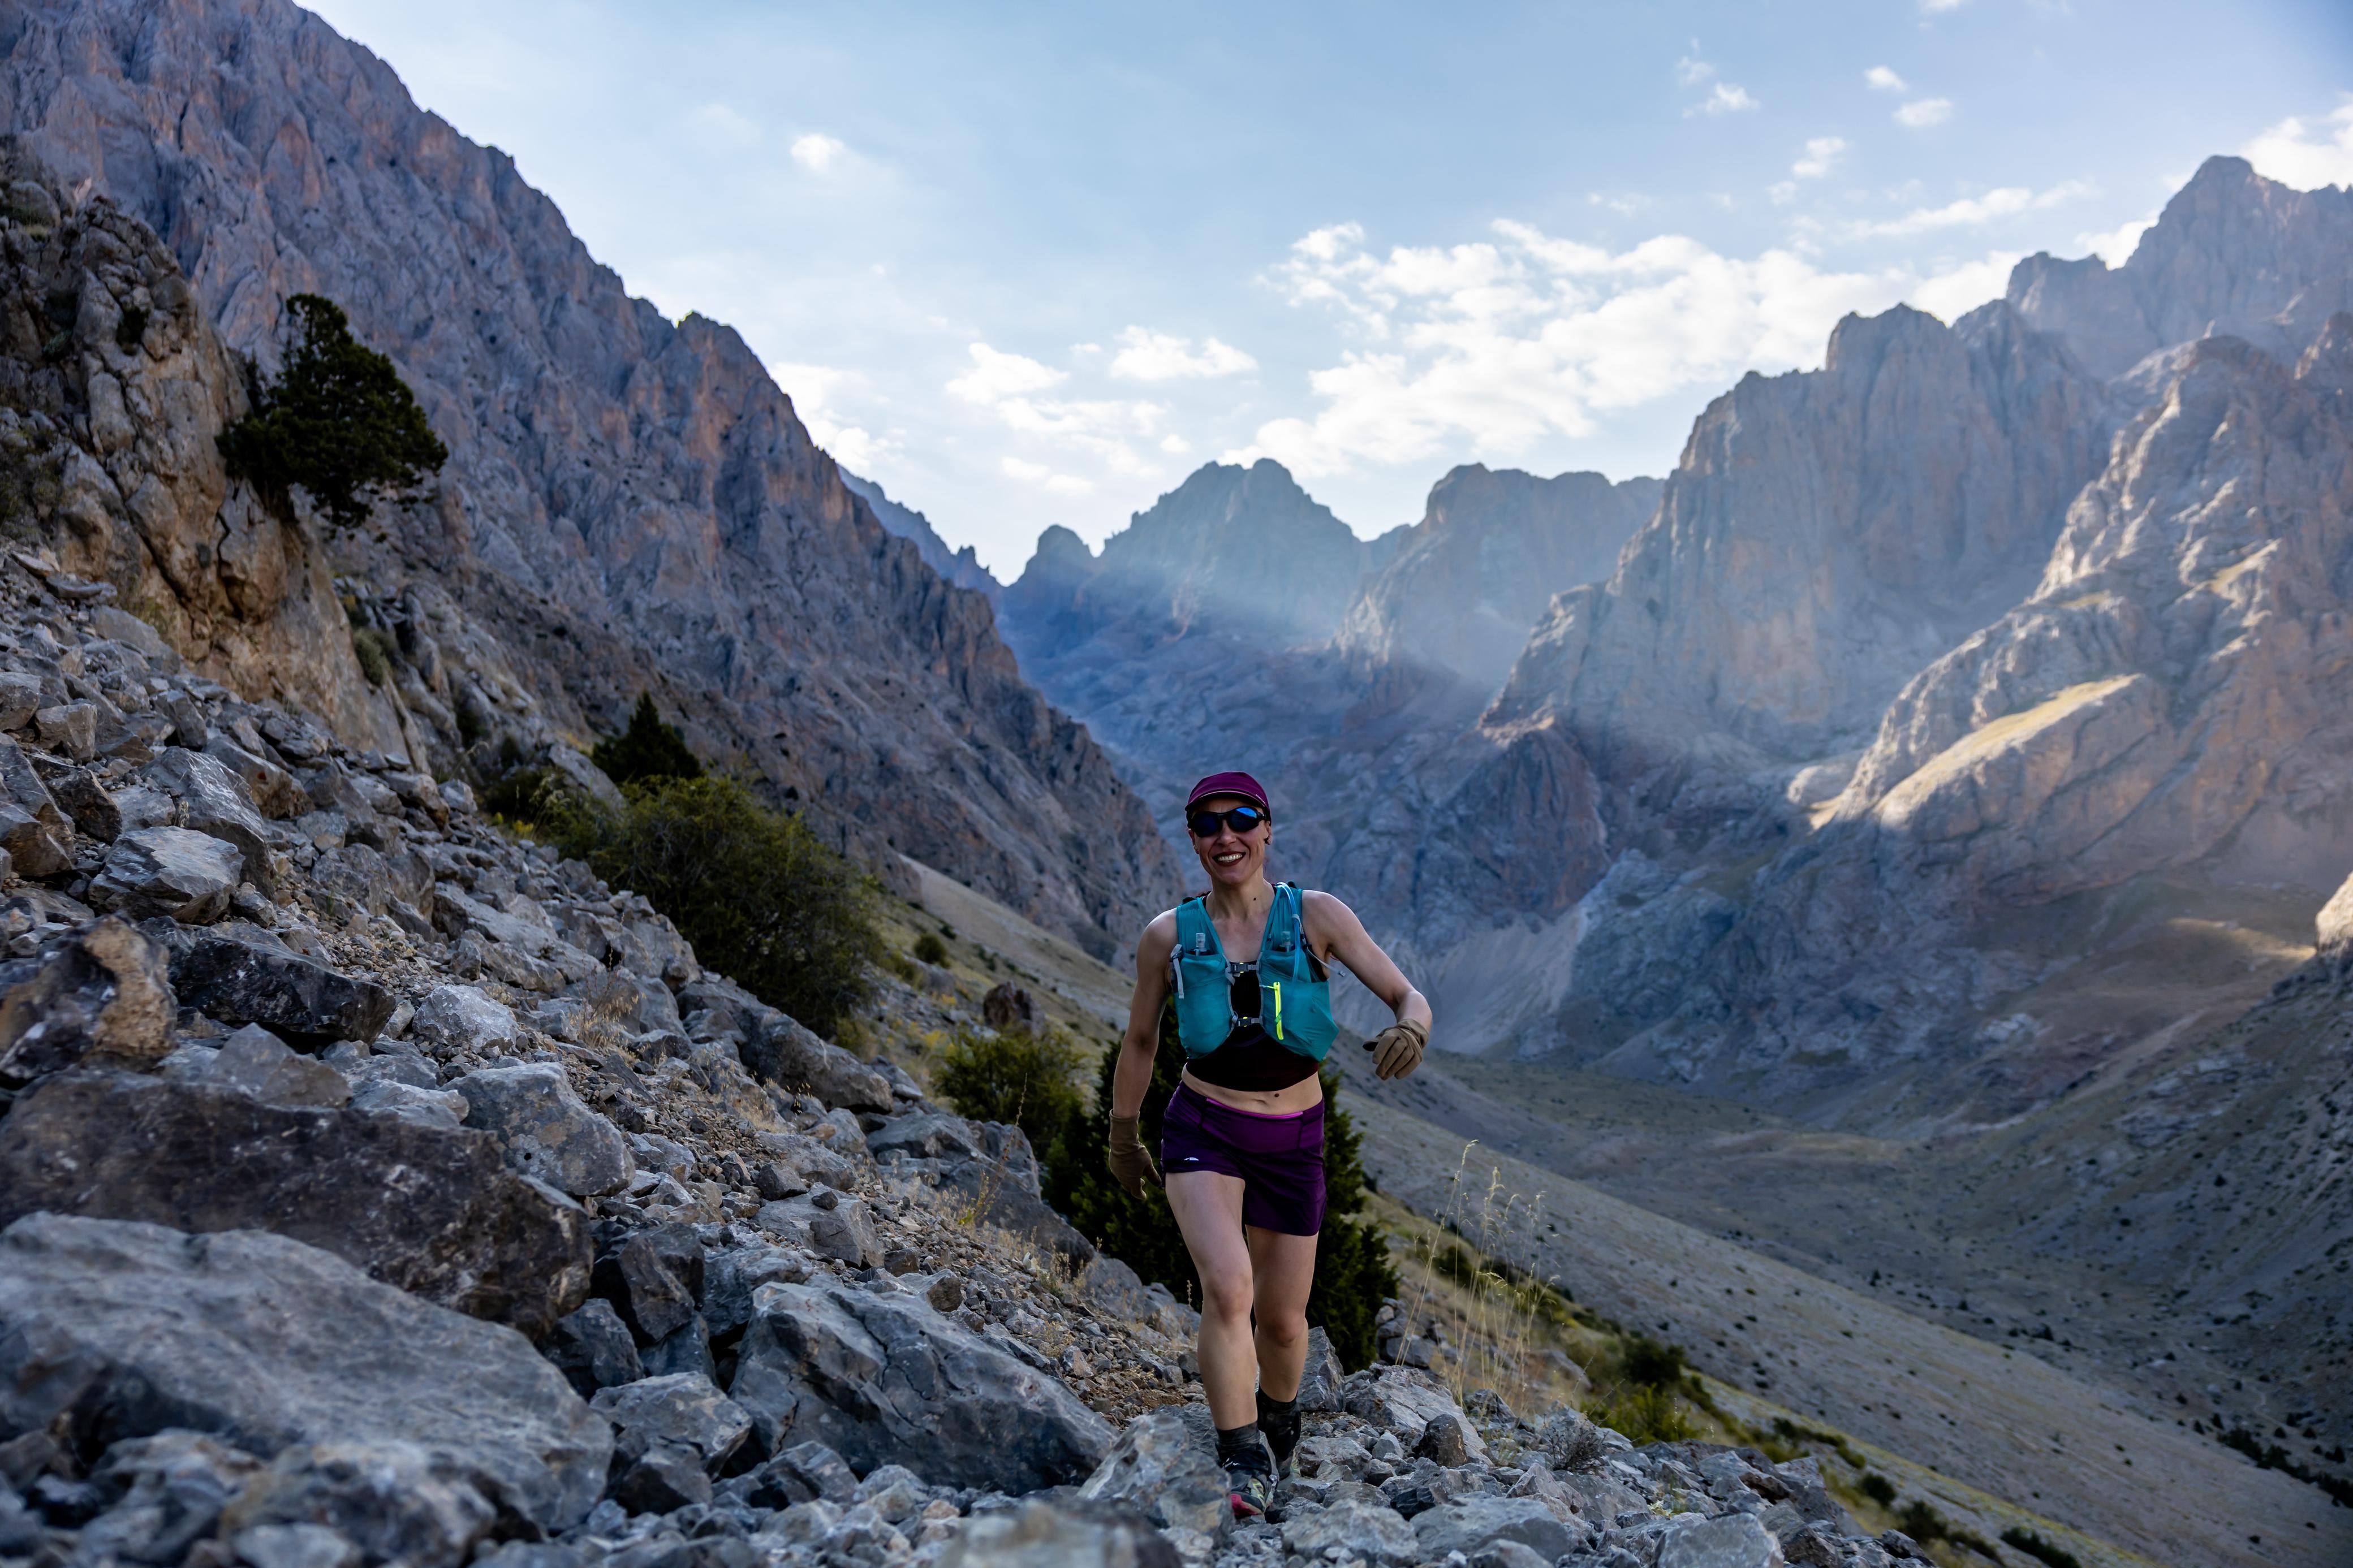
(1278, 1158)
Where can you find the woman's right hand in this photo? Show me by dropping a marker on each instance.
(1130, 1161)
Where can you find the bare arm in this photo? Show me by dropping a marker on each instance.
(1133, 1077)
(1333, 927)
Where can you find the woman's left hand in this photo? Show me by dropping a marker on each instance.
(1396, 1050)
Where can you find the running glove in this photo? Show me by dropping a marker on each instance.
(1396, 1050)
(1131, 1161)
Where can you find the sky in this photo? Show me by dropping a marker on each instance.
(1031, 264)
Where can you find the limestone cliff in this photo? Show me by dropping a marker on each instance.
(630, 502)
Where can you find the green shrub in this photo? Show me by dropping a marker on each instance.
(1652, 1365)
(338, 421)
(1879, 1489)
(765, 901)
(1644, 1414)
(931, 949)
(373, 650)
(1353, 1271)
(648, 749)
(1017, 1077)
(2035, 1546)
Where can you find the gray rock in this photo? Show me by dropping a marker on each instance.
(1319, 1384)
(1731, 1541)
(240, 974)
(113, 1331)
(172, 871)
(383, 1096)
(254, 1061)
(170, 1489)
(653, 1277)
(802, 1473)
(924, 1134)
(1405, 1400)
(33, 830)
(392, 1501)
(275, 794)
(70, 728)
(214, 801)
(102, 994)
(1446, 1440)
(1111, 1287)
(686, 1350)
(826, 1222)
(293, 1546)
(461, 1019)
(593, 1348)
(20, 697)
(547, 1130)
(1040, 1536)
(732, 1276)
(682, 1412)
(1355, 1528)
(1570, 1441)
(1166, 1466)
(1509, 1554)
(780, 1051)
(434, 1213)
(92, 807)
(1469, 1523)
(886, 1379)
(662, 1479)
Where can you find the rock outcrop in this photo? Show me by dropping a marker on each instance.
(631, 504)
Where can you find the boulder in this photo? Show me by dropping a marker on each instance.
(654, 1278)
(683, 1411)
(1039, 1535)
(781, 1052)
(547, 1130)
(110, 1330)
(380, 1096)
(885, 1379)
(733, 1274)
(255, 1062)
(70, 728)
(1731, 1541)
(923, 1135)
(240, 974)
(463, 1018)
(390, 1501)
(434, 1213)
(275, 794)
(20, 699)
(1469, 1523)
(103, 995)
(1319, 1383)
(171, 871)
(1405, 1400)
(91, 803)
(1166, 1466)
(826, 1222)
(1570, 1441)
(593, 1348)
(1353, 1529)
(214, 801)
(33, 830)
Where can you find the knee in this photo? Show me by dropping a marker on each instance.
(1226, 1297)
(1282, 1330)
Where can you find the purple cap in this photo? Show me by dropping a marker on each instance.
(1241, 784)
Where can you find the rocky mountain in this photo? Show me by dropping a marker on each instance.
(960, 567)
(1469, 582)
(629, 504)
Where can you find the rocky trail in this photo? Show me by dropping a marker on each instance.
(379, 1189)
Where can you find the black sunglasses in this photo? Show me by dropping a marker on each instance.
(1241, 819)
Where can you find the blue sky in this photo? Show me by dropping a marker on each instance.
(1032, 264)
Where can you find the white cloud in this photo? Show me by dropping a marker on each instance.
(1938, 7)
(1970, 212)
(814, 389)
(2115, 246)
(819, 152)
(1883, 79)
(1157, 356)
(1728, 98)
(1924, 111)
(1782, 191)
(727, 124)
(1045, 478)
(1951, 295)
(1175, 445)
(1503, 342)
(1822, 152)
(1691, 70)
(2307, 156)
(996, 375)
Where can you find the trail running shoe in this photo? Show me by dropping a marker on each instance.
(1250, 1483)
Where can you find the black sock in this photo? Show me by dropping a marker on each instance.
(1279, 1419)
(1242, 1446)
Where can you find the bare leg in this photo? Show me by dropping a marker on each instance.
(1209, 1209)
(1284, 1269)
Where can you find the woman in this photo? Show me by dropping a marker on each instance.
(1242, 1140)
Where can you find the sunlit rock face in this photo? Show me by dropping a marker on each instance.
(630, 503)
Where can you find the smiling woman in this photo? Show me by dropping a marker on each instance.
(1242, 1137)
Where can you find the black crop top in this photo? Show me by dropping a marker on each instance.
(1250, 1059)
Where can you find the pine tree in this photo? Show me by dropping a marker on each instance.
(1352, 1272)
(647, 749)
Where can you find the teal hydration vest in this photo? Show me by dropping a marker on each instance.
(1294, 1002)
